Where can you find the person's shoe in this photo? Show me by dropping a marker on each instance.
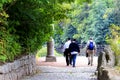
(89, 63)
(67, 64)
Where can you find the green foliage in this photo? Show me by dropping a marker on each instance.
(2, 3)
(95, 25)
(34, 23)
(90, 20)
(117, 12)
(71, 31)
(68, 25)
(27, 25)
(43, 51)
(9, 48)
(114, 41)
(117, 69)
(3, 58)
(83, 1)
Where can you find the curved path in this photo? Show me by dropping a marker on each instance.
(59, 71)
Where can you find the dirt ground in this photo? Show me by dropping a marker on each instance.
(81, 61)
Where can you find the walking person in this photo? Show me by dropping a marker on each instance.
(67, 52)
(74, 50)
(90, 50)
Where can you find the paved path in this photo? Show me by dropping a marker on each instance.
(59, 71)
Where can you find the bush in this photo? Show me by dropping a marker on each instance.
(31, 23)
(114, 42)
(9, 47)
(43, 52)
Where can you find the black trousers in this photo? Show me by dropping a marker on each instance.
(68, 57)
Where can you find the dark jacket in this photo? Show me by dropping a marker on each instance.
(74, 47)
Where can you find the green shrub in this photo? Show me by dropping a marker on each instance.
(31, 23)
(43, 52)
(9, 48)
(114, 42)
(3, 58)
(9, 45)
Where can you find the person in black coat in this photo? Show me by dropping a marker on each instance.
(74, 50)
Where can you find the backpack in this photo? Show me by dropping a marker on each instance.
(91, 46)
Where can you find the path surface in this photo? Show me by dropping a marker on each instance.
(59, 71)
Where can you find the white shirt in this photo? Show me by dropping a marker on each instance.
(74, 52)
(66, 45)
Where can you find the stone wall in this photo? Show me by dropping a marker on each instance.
(19, 68)
(106, 65)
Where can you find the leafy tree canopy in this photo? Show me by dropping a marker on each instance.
(91, 20)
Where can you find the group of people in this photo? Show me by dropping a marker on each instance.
(71, 49)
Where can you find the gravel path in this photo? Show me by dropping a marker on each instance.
(59, 71)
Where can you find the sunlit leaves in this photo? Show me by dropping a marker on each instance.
(92, 19)
(82, 1)
(97, 22)
(114, 41)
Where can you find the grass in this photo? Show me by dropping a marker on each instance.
(117, 69)
(43, 52)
